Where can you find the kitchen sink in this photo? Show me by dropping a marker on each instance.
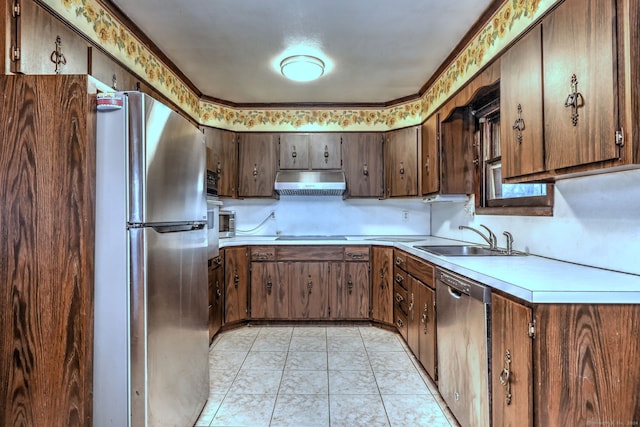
(466, 250)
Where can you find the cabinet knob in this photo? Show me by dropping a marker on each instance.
(365, 170)
(350, 285)
(326, 154)
(269, 285)
(236, 278)
(401, 168)
(219, 169)
(255, 170)
(427, 165)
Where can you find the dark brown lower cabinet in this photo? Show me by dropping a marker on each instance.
(216, 295)
(309, 290)
(269, 290)
(236, 284)
(382, 284)
(425, 310)
(350, 290)
(511, 363)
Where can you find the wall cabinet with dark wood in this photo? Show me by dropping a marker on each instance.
(47, 188)
(222, 158)
(107, 71)
(236, 284)
(456, 152)
(314, 151)
(401, 162)
(363, 164)
(430, 142)
(256, 164)
(563, 94)
(42, 44)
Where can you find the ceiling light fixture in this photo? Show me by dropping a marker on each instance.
(302, 68)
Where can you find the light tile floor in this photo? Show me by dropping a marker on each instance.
(318, 376)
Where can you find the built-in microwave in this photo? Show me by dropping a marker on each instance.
(227, 223)
(213, 218)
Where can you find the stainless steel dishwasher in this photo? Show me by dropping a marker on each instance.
(462, 307)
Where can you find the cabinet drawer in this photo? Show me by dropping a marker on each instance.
(356, 253)
(400, 300)
(421, 270)
(400, 278)
(263, 253)
(400, 259)
(310, 253)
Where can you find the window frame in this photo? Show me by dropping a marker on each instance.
(521, 206)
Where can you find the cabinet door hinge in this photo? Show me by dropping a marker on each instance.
(532, 329)
(620, 138)
(16, 9)
(15, 53)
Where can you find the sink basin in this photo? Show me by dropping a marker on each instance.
(465, 250)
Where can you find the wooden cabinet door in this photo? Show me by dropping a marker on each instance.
(46, 45)
(256, 165)
(382, 284)
(401, 162)
(350, 292)
(430, 158)
(521, 134)
(222, 158)
(579, 39)
(325, 151)
(426, 311)
(107, 71)
(511, 349)
(309, 290)
(236, 271)
(456, 152)
(294, 151)
(216, 300)
(269, 290)
(413, 316)
(363, 164)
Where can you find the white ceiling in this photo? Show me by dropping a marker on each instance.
(378, 50)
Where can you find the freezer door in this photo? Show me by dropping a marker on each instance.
(166, 164)
(169, 322)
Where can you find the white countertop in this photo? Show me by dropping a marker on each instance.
(531, 278)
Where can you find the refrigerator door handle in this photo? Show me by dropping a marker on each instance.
(176, 228)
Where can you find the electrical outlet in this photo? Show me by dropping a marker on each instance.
(405, 216)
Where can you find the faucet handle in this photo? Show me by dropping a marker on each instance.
(509, 237)
(493, 240)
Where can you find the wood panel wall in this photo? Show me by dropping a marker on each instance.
(47, 186)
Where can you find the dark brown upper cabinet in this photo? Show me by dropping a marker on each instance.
(363, 164)
(310, 151)
(401, 162)
(222, 158)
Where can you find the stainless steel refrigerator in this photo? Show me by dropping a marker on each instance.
(151, 310)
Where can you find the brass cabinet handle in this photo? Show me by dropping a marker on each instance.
(255, 170)
(399, 298)
(57, 57)
(219, 169)
(427, 165)
(401, 168)
(218, 293)
(400, 323)
(505, 377)
(350, 285)
(236, 278)
(519, 124)
(309, 284)
(354, 255)
(269, 285)
(411, 306)
(326, 154)
(425, 319)
(574, 100)
(399, 261)
(399, 278)
(294, 153)
(365, 170)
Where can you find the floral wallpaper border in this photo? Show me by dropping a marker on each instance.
(93, 20)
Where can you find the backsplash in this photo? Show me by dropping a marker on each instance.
(596, 221)
(329, 215)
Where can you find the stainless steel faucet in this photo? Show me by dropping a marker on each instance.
(491, 240)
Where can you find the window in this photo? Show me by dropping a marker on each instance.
(493, 197)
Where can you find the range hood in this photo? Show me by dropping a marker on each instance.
(310, 183)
